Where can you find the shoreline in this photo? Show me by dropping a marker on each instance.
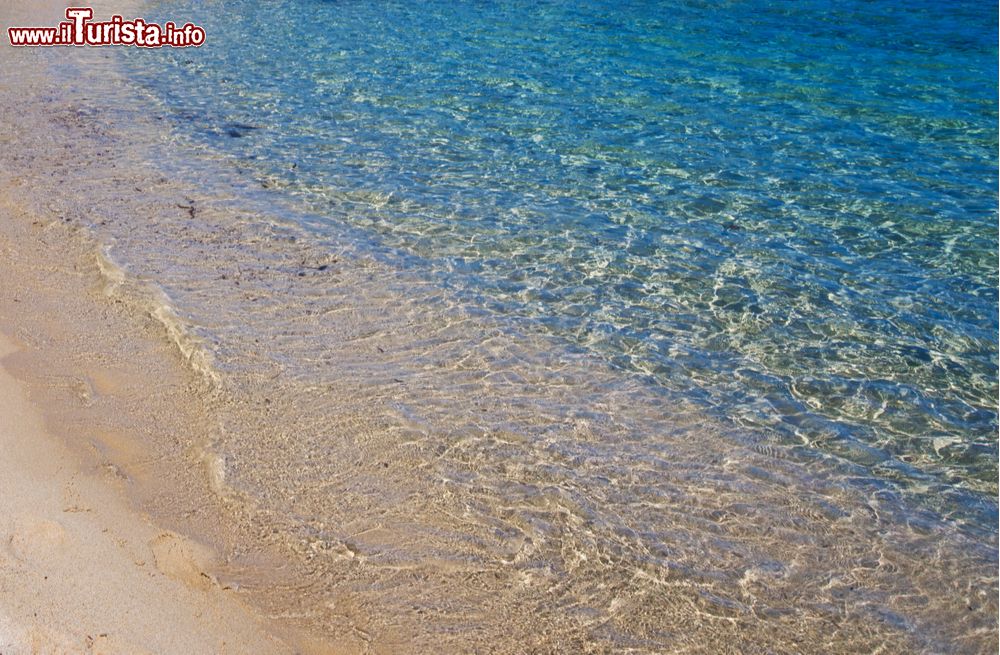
(111, 538)
(329, 510)
(119, 379)
(81, 571)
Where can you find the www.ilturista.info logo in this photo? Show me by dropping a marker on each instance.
(79, 30)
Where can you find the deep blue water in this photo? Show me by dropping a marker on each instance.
(786, 211)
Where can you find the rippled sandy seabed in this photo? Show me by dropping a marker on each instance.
(403, 470)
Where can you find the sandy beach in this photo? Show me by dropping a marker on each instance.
(113, 536)
(93, 402)
(82, 568)
(82, 572)
(366, 336)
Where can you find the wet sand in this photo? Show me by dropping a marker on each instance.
(80, 571)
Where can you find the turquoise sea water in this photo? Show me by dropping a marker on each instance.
(779, 215)
(786, 210)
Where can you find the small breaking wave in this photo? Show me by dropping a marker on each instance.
(152, 301)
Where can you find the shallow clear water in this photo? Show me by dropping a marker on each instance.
(628, 325)
(784, 210)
